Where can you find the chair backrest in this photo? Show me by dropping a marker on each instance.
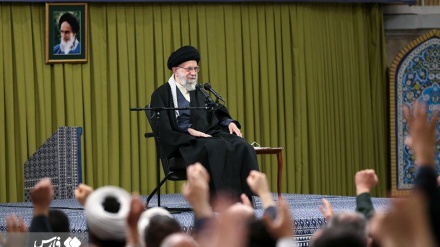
(172, 164)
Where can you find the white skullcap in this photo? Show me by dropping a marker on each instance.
(144, 220)
(104, 224)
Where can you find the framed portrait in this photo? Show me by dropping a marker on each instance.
(66, 32)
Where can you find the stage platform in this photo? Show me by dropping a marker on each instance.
(304, 208)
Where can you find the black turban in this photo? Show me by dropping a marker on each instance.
(183, 54)
(71, 19)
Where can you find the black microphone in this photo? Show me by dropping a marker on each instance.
(208, 99)
(209, 88)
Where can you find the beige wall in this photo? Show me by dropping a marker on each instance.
(403, 24)
(396, 41)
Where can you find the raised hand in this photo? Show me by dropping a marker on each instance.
(282, 225)
(326, 209)
(365, 180)
(82, 192)
(136, 209)
(16, 228)
(257, 182)
(42, 196)
(196, 190)
(406, 225)
(422, 133)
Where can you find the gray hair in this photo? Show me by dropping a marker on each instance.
(351, 220)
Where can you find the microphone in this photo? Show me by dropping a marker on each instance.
(209, 88)
(208, 99)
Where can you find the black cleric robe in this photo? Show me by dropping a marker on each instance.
(228, 158)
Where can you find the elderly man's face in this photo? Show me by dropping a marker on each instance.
(66, 31)
(187, 74)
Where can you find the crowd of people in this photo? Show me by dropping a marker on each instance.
(116, 218)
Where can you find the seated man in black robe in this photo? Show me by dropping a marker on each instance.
(208, 136)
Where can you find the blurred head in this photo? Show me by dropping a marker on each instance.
(145, 219)
(352, 220)
(259, 236)
(241, 212)
(58, 220)
(343, 229)
(179, 240)
(338, 237)
(160, 227)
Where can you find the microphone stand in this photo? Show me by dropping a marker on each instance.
(210, 105)
(157, 111)
(214, 106)
(217, 100)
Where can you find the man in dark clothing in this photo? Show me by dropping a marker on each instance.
(208, 136)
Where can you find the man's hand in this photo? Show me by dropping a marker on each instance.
(326, 209)
(136, 209)
(245, 200)
(257, 182)
(16, 228)
(422, 133)
(82, 192)
(197, 133)
(42, 195)
(234, 129)
(365, 180)
(196, 190)
(282, 226)
(405, 225)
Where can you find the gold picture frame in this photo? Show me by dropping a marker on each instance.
(66, 32)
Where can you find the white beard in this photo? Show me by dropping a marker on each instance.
(67, 46)
(190, 85)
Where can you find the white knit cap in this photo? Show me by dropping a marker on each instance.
(104, 224)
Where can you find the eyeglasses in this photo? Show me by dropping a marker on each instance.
(189, 69)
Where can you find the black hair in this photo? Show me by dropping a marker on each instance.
(71, 19)
(259, 236)
(111, 204)
(159, 227)
(58, 220)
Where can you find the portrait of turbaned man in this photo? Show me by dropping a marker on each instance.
(66, 32)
